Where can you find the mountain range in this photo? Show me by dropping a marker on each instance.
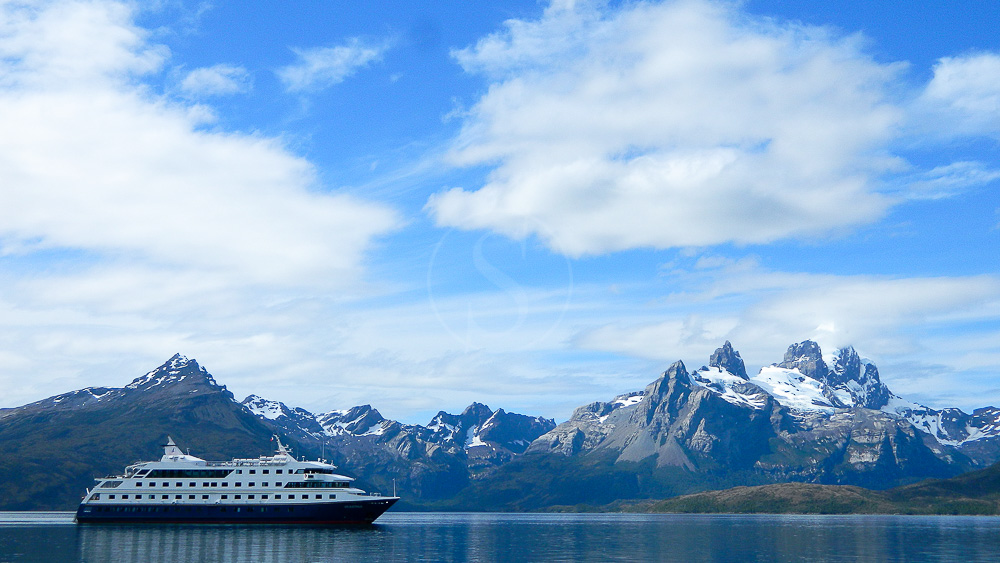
(811, 418)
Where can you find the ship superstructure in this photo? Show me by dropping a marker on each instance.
(277, 489)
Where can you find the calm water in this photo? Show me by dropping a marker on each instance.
(39, 536)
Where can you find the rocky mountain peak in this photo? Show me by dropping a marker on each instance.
(264, 407)
(807, 357)
(179, 374)
(476, 413)
(846, 367)
(356, 420)
(728, 359)
(677, 370)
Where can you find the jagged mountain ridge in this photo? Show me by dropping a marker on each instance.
(800, 420)
(73, 437)
(435, 461)
(806, 418)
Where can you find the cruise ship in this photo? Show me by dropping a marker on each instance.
(276, 489)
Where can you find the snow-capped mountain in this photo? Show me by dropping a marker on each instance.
(810, 417)
(805, 384)
(800, 419)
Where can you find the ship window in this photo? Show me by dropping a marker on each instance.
(266, 471)
(333, 496)
(251, 484)
(277, 497)
(204, 484)
(225, 484)
(166, 484)
(191, 497)
(112, 497)
(138, 483)
(165, 497)
(291, 497)
(152, 496)
(152, 483)
(252, 471)
(178, 484)
(239, 472)
(239, 484)
(192, 484)
(124, 497)
(319, 496)
(204, 497)
(263, 496)
(214, 484)
(278, 472)
(250, 496)
(178, 497)
(264, 484)
(224, 497)
(238, 497)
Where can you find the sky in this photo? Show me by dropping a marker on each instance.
(530, 204)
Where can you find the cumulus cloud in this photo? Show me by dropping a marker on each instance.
(89, 160)
(665, 125)
(321, 67)
(963, 97)
(218, 80)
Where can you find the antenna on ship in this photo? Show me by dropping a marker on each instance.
(282, 450)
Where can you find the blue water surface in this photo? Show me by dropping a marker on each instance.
(400, 536)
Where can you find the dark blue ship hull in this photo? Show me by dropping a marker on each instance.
(353, 512)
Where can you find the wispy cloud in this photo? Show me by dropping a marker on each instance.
(218, 80)
(948, 180)
(322, 67)
(922, 321)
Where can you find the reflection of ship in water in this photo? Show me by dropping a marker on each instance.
(269, 489)
(155, 543)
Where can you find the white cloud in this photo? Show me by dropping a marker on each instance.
(90, 160)
(129, 232)
(948, 180)
(665, 125)
(218, 80)
(321, 67)
(963, 97)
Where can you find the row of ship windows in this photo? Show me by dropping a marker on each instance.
(225, 472)
(293, 484)
(206, 497)
(206, 484)
(195, 508)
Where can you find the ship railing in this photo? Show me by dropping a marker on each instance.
(253, 462)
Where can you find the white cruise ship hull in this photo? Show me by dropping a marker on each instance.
(349, 512)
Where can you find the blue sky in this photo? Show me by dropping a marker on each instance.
(533, 205)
